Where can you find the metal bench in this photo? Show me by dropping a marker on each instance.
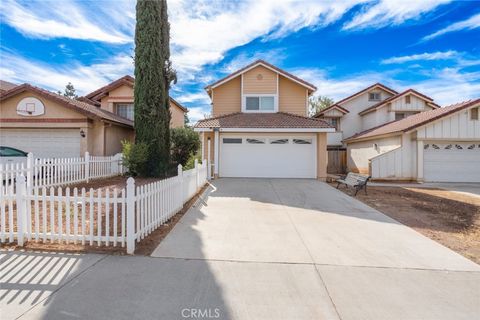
(354, 180)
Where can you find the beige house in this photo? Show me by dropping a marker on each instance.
(49, 125)
(260, 126)
(440, 145)
(117, 97)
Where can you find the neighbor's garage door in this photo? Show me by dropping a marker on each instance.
(452, 162)
(268, 157)
(48, 143)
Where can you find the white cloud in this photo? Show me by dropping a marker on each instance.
(197, 113)
(471, 23)
(439, 55)
(49, 19)
(391, 12)
(85, 78)
(199, 97)
(202, 32)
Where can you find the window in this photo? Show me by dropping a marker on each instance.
(302, 141)
(474, 114)
(260, 103)
(232, 140)
(125, 110)
(255, 141)
(279, 141)
(407, 99)
(399, 116)
(374, 96)
(334, 122)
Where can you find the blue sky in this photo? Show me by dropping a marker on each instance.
(340, 46)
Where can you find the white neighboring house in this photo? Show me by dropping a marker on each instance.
(441, 145)
(371, 107)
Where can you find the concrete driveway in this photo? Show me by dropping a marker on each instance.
(257, 249)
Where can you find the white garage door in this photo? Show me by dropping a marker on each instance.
(452, 162)
(268, 157)
(43, 143)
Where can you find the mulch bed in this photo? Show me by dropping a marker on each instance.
(450, 218)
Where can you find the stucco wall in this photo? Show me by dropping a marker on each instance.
(358, 153)
(53, 111)
(322, 156)
(178, 118)
(114, 135)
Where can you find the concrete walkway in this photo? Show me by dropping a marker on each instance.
(257, 249)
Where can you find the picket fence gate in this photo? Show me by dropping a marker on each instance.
(48, 172)
(95, 217)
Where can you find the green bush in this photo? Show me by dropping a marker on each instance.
(135, 157)
(191, 162)
(185, 144)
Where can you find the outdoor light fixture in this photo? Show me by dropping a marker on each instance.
(82, 133)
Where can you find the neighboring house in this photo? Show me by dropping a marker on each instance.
(441, 145)
(117, 97)
(260, 126)
(371, 107)
(51, 125)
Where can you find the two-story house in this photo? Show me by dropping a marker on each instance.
(260, 126)
(117, 97)
(369, 108)
(50, 125)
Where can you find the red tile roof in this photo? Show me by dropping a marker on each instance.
(281, 71)
(413, 121)
(262, 120)
(396, 96)
(85, 108)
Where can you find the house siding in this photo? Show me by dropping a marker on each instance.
(226, 98)
(359, 153)
(292, 97)
(260, 80)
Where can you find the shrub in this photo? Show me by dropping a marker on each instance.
(191, 162)
(185, 143)
(135, 157)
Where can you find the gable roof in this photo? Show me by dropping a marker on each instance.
(82, 107)
(277, 120)
(103, 91)
(5, 86)
(399, 95)
(412, 122)
(267, 65)
(356, 94)
(95, 96)
(333, 106)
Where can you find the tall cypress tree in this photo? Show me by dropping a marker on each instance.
(153, 75)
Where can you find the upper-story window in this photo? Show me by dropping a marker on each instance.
(399, 115)
(124, 110)
(474, 113)
(374, 96)
(260, 103)
(407, 99)
(334, 122)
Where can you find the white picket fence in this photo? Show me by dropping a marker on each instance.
(95, 217)
(49, 172)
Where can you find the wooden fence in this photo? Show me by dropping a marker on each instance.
(337, 161)
(95, 217)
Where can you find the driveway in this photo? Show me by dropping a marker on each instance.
(256, 249)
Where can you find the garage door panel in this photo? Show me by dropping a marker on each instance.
(267, 160)
(44, 143)
(452, 162)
